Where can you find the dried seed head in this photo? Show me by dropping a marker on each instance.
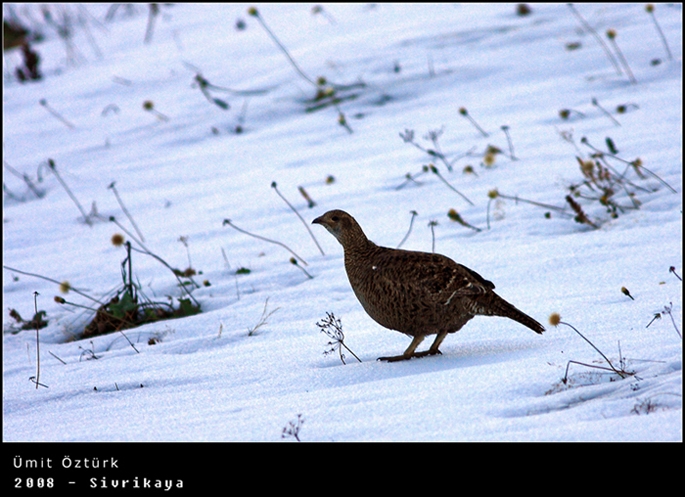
(489, 159)
(649, 8)
(64, 287)
(463, 111)
(148, 105)
(611, 34)
(493, 193)
(523, 9)
(453, 215)
(469, 170)
(330, 179)
(564, 113)
(554, 319)
(59, 300)
(491, 149)
(117, 239)
(253, 11)
(587, 167)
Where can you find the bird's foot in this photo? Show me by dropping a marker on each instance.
(407, 357)
(395, 358)
(427, 352)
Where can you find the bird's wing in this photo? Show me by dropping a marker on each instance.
(432, 275)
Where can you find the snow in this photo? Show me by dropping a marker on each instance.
(206, 377)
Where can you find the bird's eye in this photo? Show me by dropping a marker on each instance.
(335, 218)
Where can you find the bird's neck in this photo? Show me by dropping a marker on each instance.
(359, 247)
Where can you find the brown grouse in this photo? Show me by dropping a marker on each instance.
(415, 293)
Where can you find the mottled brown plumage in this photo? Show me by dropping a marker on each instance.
(415, 293)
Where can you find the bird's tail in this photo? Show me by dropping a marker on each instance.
(501, 307)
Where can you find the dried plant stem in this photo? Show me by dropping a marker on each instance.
(123, 208)
(516, 198)
(620, 373)
(255, 13)
(611, 34)
(56, 114)
(310, 203)
(505, 128)
(581, 217)
(38, 193)
(650, 10)
(594, 33)
(606, 113)
(152, 15)
(275, 187)
(293, 261)
(432, 224)
(37, 378)
(667, 310)
(164, 263)
(228, 221)
(130, 235)
(53, 281)
(332, 327)
(466, 114)
(411, 179)
(636, 164)
(455, 216)
(263, 319)
(53, 168)
(57, 357)
(411, 224)
(435, 171)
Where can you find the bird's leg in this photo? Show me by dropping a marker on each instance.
(434, 348)
(408, 354)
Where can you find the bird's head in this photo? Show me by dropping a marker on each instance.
(341, 225)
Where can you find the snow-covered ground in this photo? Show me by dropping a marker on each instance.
(221, 375)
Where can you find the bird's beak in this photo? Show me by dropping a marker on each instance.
(318, 220)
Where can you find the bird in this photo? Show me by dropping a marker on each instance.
(416, 293)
